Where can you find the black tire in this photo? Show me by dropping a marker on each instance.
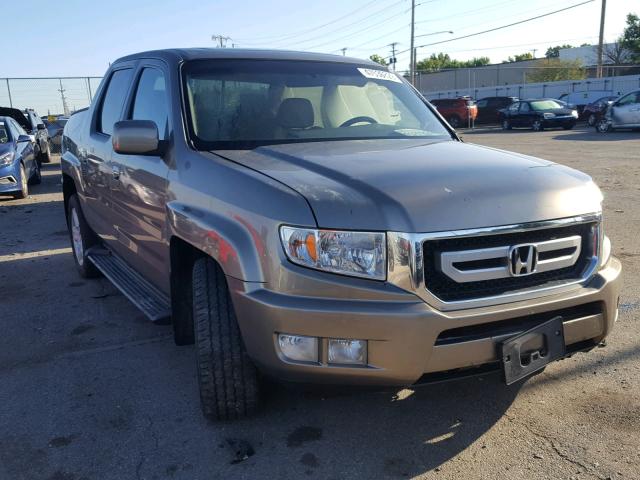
(454, 121)
(24, 184)
(87, 237)
(506, 124)
(229, 387)
(537, 125)
(602, 126)
(36, 176)
(591, 119)
(45, 156)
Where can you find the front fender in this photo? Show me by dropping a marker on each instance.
(228, 240)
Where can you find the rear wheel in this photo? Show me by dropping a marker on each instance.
(591, 119)
(24, 184)
(45, 155)
(228, 379)
(454, 121)
(506, 124)
(82, 238)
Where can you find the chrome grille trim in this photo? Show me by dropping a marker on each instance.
(449, 260)
(406, 262)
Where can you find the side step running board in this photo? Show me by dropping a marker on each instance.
(151, 301)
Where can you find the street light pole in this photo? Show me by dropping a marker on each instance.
(601, 39)
(413, 24)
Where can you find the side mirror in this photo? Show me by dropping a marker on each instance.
(136, 137)
(41, 126)
(23, 138)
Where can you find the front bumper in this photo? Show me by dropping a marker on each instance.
(404, 333)
(10, 178)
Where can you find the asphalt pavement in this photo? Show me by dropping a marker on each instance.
(89, 389)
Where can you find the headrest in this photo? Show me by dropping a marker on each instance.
(295, 113)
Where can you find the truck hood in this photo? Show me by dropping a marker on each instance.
(417, 186)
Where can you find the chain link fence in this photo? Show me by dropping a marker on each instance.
(48, 96)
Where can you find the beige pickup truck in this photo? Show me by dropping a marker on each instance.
(313, 219)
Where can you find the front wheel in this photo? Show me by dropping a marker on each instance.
(229, 387)
(24, 184)
(82, 238)
(591, 119)
(603, 126)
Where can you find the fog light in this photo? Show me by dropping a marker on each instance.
(343, 351)
(298, 348)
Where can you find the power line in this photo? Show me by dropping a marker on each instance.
(357, 32)
(279, 38)
(504, 26)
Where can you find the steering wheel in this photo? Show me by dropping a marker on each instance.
(354, 120)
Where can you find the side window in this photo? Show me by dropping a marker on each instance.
(18, 128)
(151, 101)
(524, 107)
(482, 103)
(113, 100)
(514, 107)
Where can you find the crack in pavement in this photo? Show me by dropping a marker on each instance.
(552, 443)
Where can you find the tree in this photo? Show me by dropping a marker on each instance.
(443, 61)
(631, 37)
(554, 69)
(617, 53)
(554, 52)
(519, 58)
(378, 59)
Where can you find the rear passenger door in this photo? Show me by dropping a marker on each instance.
(139, 183)
(95, 160)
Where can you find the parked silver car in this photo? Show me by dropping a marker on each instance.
(622, 113)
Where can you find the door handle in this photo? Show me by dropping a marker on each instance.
(115, 172)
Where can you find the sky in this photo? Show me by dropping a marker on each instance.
(71, 38)
(81, 37)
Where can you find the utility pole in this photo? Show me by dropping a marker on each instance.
(411, 51)
(393, 55)
(65, 108)
(601, 40)
(344, 51)
(221, 39)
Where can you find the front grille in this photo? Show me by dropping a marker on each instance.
(449, 290)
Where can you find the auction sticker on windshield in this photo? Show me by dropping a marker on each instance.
(379, 74)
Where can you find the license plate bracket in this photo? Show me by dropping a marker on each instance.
(519, 360)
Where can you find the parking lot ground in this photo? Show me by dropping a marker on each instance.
(90, 390)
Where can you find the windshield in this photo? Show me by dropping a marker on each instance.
(239, 104)
(545, 105)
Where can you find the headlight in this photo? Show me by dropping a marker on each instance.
(6, 159)
(605, 251)
(549, 115)
(359, 254)
(574, 113)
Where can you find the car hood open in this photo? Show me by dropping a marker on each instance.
(417, 186)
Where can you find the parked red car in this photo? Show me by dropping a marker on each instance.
(457, 111)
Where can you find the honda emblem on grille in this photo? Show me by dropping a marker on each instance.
(523, 260)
